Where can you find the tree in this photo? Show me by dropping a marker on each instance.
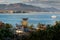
(39, 25)
(8, 25)
(6, 32)
(31, 27)
(51, 33)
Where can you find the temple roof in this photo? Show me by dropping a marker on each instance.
(25, 18)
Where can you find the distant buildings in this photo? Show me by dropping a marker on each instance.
(23, 27)
(16, 11)
(6, 11)
(19, 11)
(41, 27)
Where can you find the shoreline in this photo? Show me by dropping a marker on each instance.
(32, 13)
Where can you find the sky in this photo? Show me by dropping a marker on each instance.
(23, 1)
(14, 1)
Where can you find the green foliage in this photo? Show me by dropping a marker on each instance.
(31, 27)
(39, 25)
(51, 33)
(8, 25)
(6, 31)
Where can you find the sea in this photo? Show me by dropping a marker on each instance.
(33, 18)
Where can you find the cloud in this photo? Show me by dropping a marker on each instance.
(2, 1)
(43, 0)
(14, 1)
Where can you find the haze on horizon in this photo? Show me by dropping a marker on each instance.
(13, 1)
(22, 1)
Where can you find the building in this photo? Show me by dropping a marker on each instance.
(6, 11)
(41, 27)
(23, 27)
(24, 22)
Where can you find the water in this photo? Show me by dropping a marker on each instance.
(44, 18)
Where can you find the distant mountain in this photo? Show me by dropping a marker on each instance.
(52, 9)
(20, 6)
(25, 7)
(51, 5)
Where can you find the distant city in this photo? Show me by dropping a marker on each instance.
(24, 8)
(18, 8)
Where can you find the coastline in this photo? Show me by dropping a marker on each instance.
(32, 13)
